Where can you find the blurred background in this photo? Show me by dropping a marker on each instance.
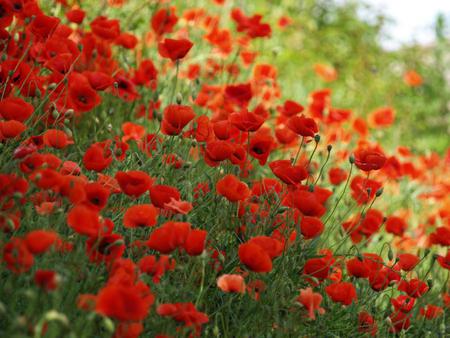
(376, 47)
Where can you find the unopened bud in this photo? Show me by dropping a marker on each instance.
(379, 192)
(317, 138)
(351, 159)
(179, 98)
(329, 147)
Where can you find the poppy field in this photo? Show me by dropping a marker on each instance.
(157, 181)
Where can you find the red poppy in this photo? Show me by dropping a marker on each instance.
(366, 323)
(287, 172)
(15, 108)
(40, 241)
(174, 49)
(183, 312)
(414, 287)
(139, 216)
(317, 267)
(76, 15)
(261, 145)
(46, 279)
(98, 80)
(124, 302)
(407, 261)
(43, 26)
(84, 221)
(255, 257)
(16, 255)
(217, 151)
(444, 261)
(431, 311)
(343, 292)
(11, 129)
(246, 121)
(170, 236)
(232, 188)
(175, 118)
(156, 267)
(105, 248)
(369, 159)
(97, 157)
(82, 96)
(134, 182)
(162, 194)
(240, 94)
(104, 28)
(290, 108)
(337, 176)
(96, 195)
(403, 303)
(195, 242)
(55, 138)
(400, 321)
(302, 125)
(164, 20)
(311, 227)
(382, 117)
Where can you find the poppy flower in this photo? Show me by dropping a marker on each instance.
(97, 157)
(287, 172)
(311, 301)
(317, 267)
(139, 216)
(124, 302)
(302, 125)
(231, 283)
(306, 202)
(311, 227)
(75, 15)
(217, 151)
(104, 28)
(175, 118)
(162, 194)
(431, 311)
(56, 138)
(343, 292)
(440, 236)
(146, 74)
(400, 321)
(177, 206)
(403, 303)
(98, 80)
(261, 145)
(246, 121)
(382, 117)
(240, 94)
(414, 287)
(396, 225)
(366, 323)
(325, 72)
(337, 175)
(40, 241)
(105, 248)
(172, 235)
(156, 267)
(82, 96)
(195, 242)
(16, 255)
(255, 257)
(444, 261)
(183, 312)
(84, 220)
(43, 26)
(369, 159)
(46, 279)
(164, 20)
(290, 108)
(272, 246)
(232, 188)
(407, 261)
(174, 49)
(412, 78)
(15, 108)
(134, 183)
(11, 129)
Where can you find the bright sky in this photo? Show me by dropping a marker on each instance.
(413, 19)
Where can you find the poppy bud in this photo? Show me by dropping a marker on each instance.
(426, 252)
(317, 138)
(390, 254)
(430, 283)
(379, 192)
(179, 98)
(329, 147)
(351, 159)
(55, 114)
(369, 191)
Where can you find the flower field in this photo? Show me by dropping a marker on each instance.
(157, 181)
